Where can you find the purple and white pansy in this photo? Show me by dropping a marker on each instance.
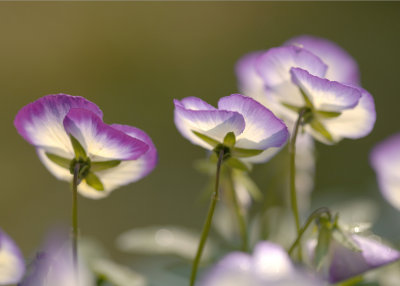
(344, 263)
(385, 159)
(240, 123)
(67, 129)
(311, 73)
(12, 263)
(269, 265)
(53, 265)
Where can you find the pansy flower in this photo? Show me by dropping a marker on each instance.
(240, 124)
(385, 159)
(269, 265)
(343, 262)
(294, 79)
(66, 130)
(53, 265)
(12, 263)
(272, 77)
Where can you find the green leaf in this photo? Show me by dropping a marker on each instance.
(60, 161)
(328, 114)
(306, 99)
(250, 185)
(345, 239)
(242, 152)
(291, 107)
(206, 138)
(324, 240)
(78, 149)
(355, 281)
(236, 164)
(94, 181)
(320, 128)
(230, 139)
(104, 165)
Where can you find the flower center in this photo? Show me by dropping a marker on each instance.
(83, 166)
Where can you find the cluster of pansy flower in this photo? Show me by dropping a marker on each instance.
(313, 85)
(307, 89)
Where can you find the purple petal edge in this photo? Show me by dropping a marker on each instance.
(151, 156)
(57, 104)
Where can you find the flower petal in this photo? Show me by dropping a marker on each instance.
(57, 171)
(250, 82)
(263, 129)
(346, 263)
(132, 170)
(385, 159)
(101, 141)
(54, 265)
(354, 123)
(41, 122)
(274, 67)
(235, 269)
(341, 66)
(325, 95)
(271, 261)
(213, 123)
(194, 103)
(12, 263)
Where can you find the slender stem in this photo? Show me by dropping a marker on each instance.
(75, 182)
(314, 215)
(292, 154)
(239, 213)
(207, 224)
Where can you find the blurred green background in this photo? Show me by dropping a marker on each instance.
(132, 59)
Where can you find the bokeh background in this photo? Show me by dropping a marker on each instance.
(133, 58)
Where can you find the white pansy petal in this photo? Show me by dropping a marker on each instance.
(213, 123)
(235, 269)
(325, 95)
(341, 66)
(263, 129)
(354, 123)
(265, 156)
(12, 263)
(56, 170)
(126, 172)
(101, 141)
(41, 122)
(271, 261)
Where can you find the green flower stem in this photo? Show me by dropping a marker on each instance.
(239, 212)
(292, 154)
(75, 182)
(314, 215)
(207, 224)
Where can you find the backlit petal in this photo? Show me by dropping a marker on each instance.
(263, 129)
(12, 263)
(341, 66)
(354, 123)
(101, 141)
(325, 95)
(41, 122)
(274, 67)
(213, 123)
